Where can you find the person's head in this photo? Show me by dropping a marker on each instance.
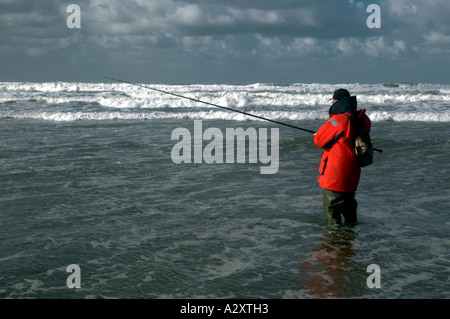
(339, 95)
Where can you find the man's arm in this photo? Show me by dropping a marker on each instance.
(329, 133)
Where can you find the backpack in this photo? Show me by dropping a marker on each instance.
(363, 144)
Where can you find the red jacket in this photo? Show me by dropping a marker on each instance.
(338, 170)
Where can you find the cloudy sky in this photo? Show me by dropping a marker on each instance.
(226, 41)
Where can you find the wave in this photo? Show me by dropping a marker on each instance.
(409, 116)
(117, 115)
(217, 115)
(398, 84)
(64, 101)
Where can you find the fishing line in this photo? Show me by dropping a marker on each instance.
(212, 104)
(219, 106)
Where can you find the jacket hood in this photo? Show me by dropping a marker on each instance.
(347, 104)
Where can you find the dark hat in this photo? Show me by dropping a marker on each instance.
(340, 94)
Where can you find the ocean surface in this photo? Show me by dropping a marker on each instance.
(88, 179)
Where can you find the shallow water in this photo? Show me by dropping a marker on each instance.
(105, 195)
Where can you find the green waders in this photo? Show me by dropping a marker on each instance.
(339, 207)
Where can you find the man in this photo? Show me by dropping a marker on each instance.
(339, 171)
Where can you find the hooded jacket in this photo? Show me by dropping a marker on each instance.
(338, 169)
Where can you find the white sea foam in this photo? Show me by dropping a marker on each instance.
(61, 101)
(410, 116)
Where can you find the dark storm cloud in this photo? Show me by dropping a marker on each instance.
(228, 38)
(295, 18)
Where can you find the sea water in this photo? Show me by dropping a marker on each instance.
(87, 179)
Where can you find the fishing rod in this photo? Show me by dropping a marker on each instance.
(219, 106)
(212, 104)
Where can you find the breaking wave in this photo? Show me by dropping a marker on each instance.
(64, 101)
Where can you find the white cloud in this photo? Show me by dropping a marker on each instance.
(434, 37)
(262, 17)
(268, 47)
(304, 46)
(418, 14)
(378, 47)
(190, 15)
(209, 47)
(375, 47)
(348, 46)
(358, 4)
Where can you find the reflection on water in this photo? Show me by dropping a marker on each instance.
(330, 272)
